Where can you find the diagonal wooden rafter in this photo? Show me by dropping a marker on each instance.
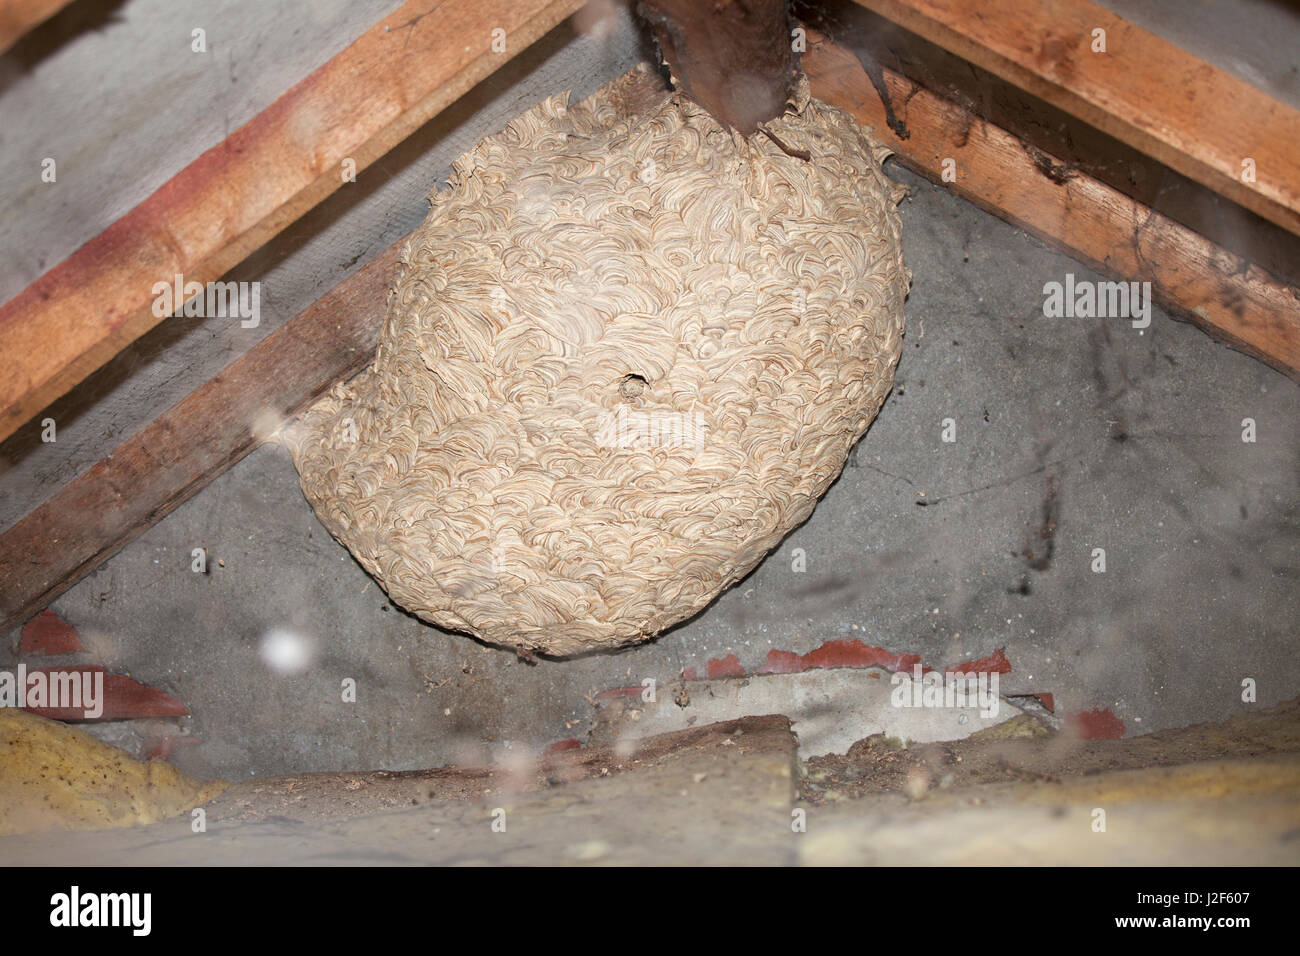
(1231, 299)
(236, 196)
(188, 446)
(1143, 90)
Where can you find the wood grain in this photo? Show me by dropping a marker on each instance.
(18, 17)
(735, 59)
(236, 196)
(197, 439)
(1142, 90)
(1230, 298)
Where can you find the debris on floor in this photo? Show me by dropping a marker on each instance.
(736, 793)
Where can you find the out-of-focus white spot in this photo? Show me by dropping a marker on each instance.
(597, 19)
(286, 652)
(591, 850)
(266, 425)
(518, 765)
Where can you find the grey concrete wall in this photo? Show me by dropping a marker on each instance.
(1071, 435)
(1129, 442)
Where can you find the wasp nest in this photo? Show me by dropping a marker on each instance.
(624, 356)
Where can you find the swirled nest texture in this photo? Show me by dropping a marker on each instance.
(624, 356)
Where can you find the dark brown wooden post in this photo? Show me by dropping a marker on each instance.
(733, 57)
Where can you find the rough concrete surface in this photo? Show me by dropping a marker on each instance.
(1071, 435)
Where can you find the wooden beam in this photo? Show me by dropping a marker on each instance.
(232, 199)
(735, 59)
(1230, 298)
(1142, 90)
(179, 453)
(19, 17)
(876, 41)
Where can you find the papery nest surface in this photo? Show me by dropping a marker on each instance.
(624, 356)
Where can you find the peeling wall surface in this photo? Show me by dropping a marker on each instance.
(1071, 435)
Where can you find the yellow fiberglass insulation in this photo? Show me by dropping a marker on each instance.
(623, 357)
(54, 775)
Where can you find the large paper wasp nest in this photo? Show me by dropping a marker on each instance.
(624, 356)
